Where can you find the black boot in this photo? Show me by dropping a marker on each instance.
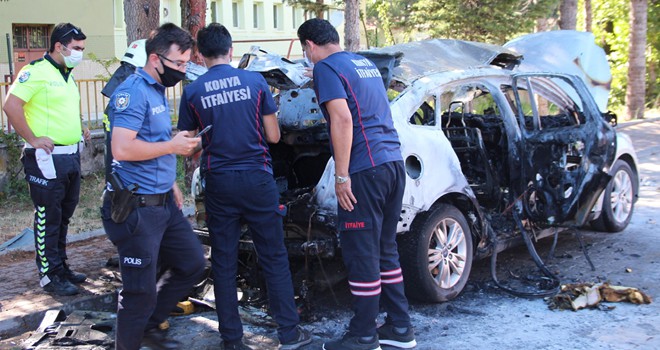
(155, 339)
(73, 277)
(57, 284)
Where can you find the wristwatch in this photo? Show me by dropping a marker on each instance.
(341, 179)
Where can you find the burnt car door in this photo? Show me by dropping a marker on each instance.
(567, 148)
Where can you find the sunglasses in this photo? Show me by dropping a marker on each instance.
(178, 64)
(73, 30)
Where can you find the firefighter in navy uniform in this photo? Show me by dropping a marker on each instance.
(370, 180)
(43, 106)
(141, 211)
(236, 166)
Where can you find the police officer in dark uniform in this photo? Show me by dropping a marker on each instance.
(236, 166)
(370, 180)
(142, 212)
(43, 106)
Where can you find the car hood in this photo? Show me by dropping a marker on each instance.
(568, 52)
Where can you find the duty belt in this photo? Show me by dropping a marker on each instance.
(146, 200)
(70, 149)
(151, 200)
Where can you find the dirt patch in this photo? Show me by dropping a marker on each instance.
(17, 213)
(19, 276)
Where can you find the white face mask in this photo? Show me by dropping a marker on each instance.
(308, 61)
(73, 59)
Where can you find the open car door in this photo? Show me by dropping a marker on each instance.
(568, 147)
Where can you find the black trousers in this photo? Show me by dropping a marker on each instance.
(152, 235)
(54, 203)
(369, 249)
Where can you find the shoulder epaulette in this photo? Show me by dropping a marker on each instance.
(35, 61)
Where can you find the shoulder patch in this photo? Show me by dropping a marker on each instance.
(122, 101)
(24, 76)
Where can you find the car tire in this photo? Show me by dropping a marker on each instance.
(618, 200)
(426, 253)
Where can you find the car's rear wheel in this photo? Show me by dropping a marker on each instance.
(619, 199)
(436, 258)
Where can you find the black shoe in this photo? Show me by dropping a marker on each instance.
(156, 339)
(387, 335)
(73, 277)
(303, 338)
(58, 284)
(352, 343)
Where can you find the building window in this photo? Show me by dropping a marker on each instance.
(297, 17)
(255, 16)
(237, 14)
(30, 37)
(214, 11)
(278, 14)
(258, 15)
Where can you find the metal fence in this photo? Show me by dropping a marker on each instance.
(92, 102)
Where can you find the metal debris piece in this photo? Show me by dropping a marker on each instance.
(81, 330)
(578, 296)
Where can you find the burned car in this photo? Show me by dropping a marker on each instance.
(500, 143)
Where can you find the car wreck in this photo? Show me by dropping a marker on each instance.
(500, 144)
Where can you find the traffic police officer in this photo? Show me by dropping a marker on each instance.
(43, 106)
(142, 214)
(370, 180)
(236, 166)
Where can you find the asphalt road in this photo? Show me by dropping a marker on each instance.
(484, 317)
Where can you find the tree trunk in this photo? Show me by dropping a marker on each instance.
(141, 17)
(352, 25)
(636, 91)
(193, 18)
(588, 15)
(319, 9)
(568, 14)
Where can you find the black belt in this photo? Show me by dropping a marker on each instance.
(151, 200)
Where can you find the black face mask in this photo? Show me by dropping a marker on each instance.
(170, 76)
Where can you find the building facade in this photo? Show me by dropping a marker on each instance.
(25, 26)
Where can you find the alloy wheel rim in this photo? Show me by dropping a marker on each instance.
(447, 253)
(621, 196)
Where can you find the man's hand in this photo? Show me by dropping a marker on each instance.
(87, 135)
(185, 145)
(178, 196)
(43, 142)
(308, 72)
(345, 195)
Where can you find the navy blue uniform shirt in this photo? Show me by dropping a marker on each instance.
(234, 101)
(345, 75)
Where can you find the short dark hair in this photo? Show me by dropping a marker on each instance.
(318, 31)
(213, 41)
(64, 33)
(161, 39)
